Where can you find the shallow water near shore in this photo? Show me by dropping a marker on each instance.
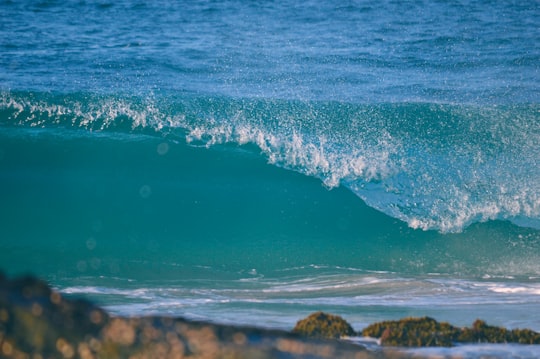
(251, 164)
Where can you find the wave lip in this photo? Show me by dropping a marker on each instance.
(434, 166)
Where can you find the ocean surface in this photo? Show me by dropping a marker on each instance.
(251, 162)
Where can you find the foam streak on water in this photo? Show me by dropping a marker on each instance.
(355, 294)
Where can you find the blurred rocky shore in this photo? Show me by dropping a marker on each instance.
(37, 322)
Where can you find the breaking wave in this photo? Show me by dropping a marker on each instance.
(434, 166)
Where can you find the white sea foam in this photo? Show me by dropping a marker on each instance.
(297, 151)
(530, 290)
(338, 290)
(479, 351)
(139, 293)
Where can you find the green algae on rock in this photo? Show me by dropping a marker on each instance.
(323, 325)
(427, 332)
(413, 332)
(484, 333)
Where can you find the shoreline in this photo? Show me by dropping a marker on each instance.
(37, 322)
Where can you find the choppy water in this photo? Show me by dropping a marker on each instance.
(251, 163)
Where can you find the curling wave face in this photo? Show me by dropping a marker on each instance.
(431, 165)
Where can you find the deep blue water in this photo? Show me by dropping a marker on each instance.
(252, 162)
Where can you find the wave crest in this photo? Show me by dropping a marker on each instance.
(434, 166)
(298, 152)
(90, 112)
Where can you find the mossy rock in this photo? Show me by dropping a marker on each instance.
(481, 332)
(323, 325)
(427, 332)
(413, 332)
(524, 336)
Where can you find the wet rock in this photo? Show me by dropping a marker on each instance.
(413, 332)
(323, 325)
(35, 320)
(427, 332)
(481, 332)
